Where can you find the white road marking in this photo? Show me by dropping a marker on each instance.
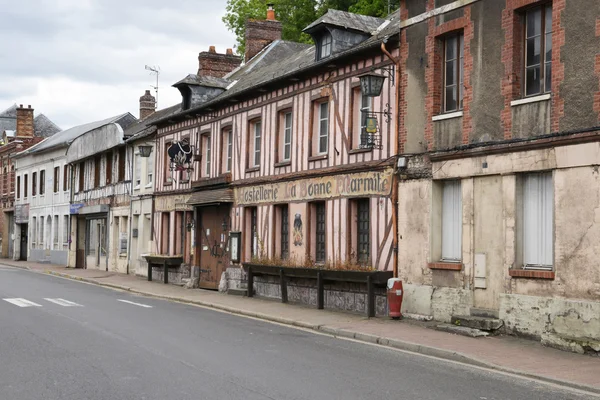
(22, 302)
(135, 304)
(63, 302)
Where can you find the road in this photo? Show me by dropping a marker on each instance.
(63, 340)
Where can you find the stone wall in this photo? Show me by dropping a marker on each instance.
(177, 276)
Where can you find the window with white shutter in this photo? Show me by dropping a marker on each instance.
(538, 215)
(452, 221)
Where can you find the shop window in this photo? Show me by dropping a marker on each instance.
(165, 230)
(538, 50)
(282, 229)
(453, 72)
(252, 240)
(318, 228)
(537, 221)
(361, 230)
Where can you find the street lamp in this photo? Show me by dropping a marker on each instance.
(371, 84)
(145, 151)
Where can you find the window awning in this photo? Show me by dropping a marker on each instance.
(209, 197)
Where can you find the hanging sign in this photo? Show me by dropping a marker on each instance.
(371, 125)
(180, 154)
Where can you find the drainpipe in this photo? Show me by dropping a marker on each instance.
(395, 174)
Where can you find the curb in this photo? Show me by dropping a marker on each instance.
(344, 333)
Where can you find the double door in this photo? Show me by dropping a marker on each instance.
(212, 239)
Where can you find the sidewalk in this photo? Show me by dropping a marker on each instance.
(509, 354)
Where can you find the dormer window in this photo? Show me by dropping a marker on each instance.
(325, 47)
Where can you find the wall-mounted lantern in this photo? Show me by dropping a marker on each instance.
(145, 150)
(371, 84)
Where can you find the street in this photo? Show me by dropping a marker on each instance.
(61, 339)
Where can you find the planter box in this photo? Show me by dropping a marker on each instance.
(163, 261)
(370, 278)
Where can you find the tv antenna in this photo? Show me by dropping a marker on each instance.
(156, 71)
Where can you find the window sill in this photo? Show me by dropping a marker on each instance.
(449, 266)
(148, 186)
(136, 188)
(253, 169)
(358, 151)
(167, 183)
(318, 158)
(283, 164)
(532, 99)
(184, 181)
(451, 115)
(531, 274)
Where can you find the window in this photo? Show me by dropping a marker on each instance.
(81, 176)
(252, 224)
(93, 236)
(207, 154)
(34, 184)
(363, 105)
(319, 209)
(322, 121)
(25, 186)
(33, 232)
(42, 182)
(138, 170)
(167, 164)
(41, 241)
(150, 169)
(325, 46)
(55, 233)
(227, 149)
(284, 231)
(452, 221)
(18, 187)
(97, 163)
(109, 165)
(56, 179)
(256, 143)
(123, 236)
(122, 156)
(538, 211)
(286, 136)
(453, 72)
(538, 50)
(65, 238)
(363, 229)
(66, 178)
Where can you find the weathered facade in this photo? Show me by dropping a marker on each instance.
(101, 194)
(281, 157)
(500, 100)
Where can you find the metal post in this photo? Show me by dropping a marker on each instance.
(320, 291)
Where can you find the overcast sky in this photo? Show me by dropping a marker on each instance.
(78, 61)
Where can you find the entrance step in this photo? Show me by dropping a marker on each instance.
(481, 323)
(461, 330)
(484, 312)
(237, 292)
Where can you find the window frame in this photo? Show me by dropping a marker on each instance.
(34, 178)
(25, 185)
(320, 231)
(458, 62)
(42, 187)
(256, 142)
(318, 135)
(66, 178)
(207, 142)
(451, 252)
(325, 45)
(18, 196)
(363, 241)
(545, 232)
(286, 135)
(56, 181)
(543, 36)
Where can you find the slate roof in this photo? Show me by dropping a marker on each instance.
(210, 81)
(145, 127)
(284, 60)
(347, 20)
(42, 125)
(65, 138)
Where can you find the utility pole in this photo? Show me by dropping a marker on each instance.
(156, 71)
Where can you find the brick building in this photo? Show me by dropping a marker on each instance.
(20, 130)
(500, 111)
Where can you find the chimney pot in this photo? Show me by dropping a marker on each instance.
(229, 52)
(147, 92)
(29, 106)
(270, 12)
(20, 105)
(212, 49)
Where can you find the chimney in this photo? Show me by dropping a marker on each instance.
(211, 63)
(25, 121)
(147, 105)
(261, 33)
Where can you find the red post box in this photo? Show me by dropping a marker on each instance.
(394, 297)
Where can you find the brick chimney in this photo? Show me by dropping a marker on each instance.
(25, 121)
(147, 105)
(211, 63)
(260, 33)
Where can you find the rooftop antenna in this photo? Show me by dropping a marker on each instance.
(156, 71)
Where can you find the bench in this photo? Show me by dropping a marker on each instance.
(166, 262)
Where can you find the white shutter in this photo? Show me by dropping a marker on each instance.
(452, 221)
(538, 211)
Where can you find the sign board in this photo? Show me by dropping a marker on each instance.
(371, 125)
(235, 239)
(74, 208)
(372, 183)
(21, 213)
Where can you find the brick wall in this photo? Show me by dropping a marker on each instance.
(211, 63)
(260, 34)
(25, 121)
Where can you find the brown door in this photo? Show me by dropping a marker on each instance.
(213, 235)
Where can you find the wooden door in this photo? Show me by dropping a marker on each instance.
(212, 240)
(24, 242)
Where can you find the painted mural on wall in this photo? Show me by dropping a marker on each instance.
(373, 183)
(297, 235)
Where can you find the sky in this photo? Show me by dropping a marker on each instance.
(79, 61)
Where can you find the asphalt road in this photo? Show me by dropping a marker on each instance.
(63, 340)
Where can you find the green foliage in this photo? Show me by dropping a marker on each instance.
(295, 15)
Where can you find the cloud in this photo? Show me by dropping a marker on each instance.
(79, 61)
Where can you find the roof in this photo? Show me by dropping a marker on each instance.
(145, 127)
(42, 125)
(208, 197)
(347, 20)
(210, 81)
(282, 60)
(65, 138)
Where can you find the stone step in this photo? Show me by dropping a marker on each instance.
(484, 312)
(237, 292)
(481, 323)
(461, 330)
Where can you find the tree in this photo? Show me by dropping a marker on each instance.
(295, 15)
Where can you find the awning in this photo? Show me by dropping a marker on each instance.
(209, 197)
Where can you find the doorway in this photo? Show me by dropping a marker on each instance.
(95, 252)
(212, 239)
(24, 242)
